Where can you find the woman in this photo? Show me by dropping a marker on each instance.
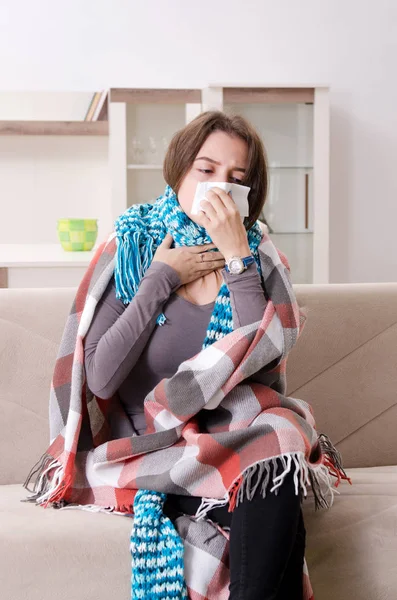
(126, 352)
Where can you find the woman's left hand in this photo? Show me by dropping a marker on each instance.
(220, 217)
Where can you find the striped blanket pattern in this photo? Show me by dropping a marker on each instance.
(221, 416)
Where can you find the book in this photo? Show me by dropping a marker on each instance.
(97, 110)
(93, 104)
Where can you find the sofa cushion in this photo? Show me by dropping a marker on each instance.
(80, 555)
(352, 547)
(64, 554)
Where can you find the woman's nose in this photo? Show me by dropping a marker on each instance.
(220, 176)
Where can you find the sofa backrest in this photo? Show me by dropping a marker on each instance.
(344, 365)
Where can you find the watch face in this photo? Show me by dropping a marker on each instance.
(236, 266)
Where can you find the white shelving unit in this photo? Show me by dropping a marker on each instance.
(294, 124)
(53, 164)
(142, 115)
(42, 265)
(292, 120)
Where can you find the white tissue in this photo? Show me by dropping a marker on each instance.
(238, 192)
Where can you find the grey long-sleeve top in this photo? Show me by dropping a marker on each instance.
(126, 351)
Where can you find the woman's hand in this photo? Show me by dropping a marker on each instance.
(190, 262)
(220, 217)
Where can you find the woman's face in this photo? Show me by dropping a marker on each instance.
(222, 157)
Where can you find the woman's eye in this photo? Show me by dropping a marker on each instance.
(207, 171)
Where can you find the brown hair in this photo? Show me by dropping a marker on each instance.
(187, 142)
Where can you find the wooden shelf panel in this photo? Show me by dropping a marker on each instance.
(154, 96)
(232, 95)
(252, 95)
(43, 255)
(54, 128)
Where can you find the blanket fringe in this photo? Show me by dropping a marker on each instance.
(261, 472)
(47, 488)
(318, 477)
(51, 489)
(109, 510)
(52, 482)
(332, 459)
(208, 504)
(265, 471)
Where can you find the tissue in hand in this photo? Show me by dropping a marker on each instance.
(238, 192)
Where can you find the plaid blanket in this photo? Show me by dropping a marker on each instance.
(221, 416)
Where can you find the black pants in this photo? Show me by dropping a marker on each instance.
(267, 541)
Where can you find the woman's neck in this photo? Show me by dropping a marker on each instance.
(202, 290)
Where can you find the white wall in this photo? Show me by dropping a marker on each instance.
(349, 44)
(44, 106)
(53, 177)
(45, 178)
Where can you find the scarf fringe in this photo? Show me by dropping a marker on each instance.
(134, 255)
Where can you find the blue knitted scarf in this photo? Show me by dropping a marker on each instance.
(156, 547)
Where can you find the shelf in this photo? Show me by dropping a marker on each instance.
(43, 255)
(268, 84)
(250, 95)
(54, 128)
(156, 96)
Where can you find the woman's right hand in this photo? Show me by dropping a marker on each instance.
(190, 262)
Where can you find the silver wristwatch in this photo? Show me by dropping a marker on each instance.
(237, 265)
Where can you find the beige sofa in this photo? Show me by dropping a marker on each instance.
(345, 365)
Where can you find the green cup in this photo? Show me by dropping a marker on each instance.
(77, 234)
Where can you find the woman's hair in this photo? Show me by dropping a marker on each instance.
(186, 143)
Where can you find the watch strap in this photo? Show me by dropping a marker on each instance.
(247, 260)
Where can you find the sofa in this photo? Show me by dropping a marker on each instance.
(344, 364)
